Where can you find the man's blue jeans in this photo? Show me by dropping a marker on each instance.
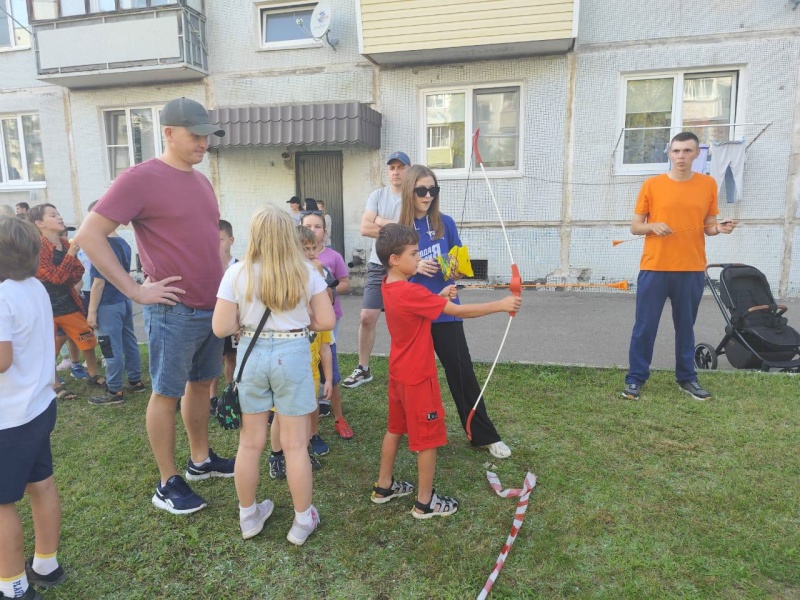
(684, 290)
(116, 321)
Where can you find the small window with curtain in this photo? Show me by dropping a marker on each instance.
(21, 156)
(14, 27)
(133, 135)
(286, 25)
(450, 117)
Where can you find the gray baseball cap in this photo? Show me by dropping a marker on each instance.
(183, 112)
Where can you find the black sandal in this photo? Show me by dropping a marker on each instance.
(95, 380)
(439, 506)
(62, 393)
(396, 490)
(136, 386)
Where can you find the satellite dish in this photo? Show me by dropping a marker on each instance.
(321, 19)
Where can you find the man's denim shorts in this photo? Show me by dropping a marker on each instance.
(182, 347)
(26, 455)
(277, 373)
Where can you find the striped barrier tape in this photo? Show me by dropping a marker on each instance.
(519, 517)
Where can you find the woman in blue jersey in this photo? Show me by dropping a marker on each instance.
(437, 235)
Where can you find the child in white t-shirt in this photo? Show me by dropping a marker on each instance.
(27, 414)
(277, 373)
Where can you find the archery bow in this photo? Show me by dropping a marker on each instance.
(515, 285)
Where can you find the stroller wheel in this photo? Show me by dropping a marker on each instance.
(705, 357)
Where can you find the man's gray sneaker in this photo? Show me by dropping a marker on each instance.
(252, 525)
(695, 391)
(357, 377)
(631, 391)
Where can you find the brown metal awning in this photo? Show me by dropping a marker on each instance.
(298, 125)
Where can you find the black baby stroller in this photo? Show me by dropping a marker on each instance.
(757, 335)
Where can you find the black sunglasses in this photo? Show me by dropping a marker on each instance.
(311, 212)
(421, 192)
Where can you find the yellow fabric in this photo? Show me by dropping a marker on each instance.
(457, 262)
(15, 578)
(322, 337)
(683, 205)
(37, 555)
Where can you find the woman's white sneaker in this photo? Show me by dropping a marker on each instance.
(499, 450)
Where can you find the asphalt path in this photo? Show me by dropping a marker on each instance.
(562, 328)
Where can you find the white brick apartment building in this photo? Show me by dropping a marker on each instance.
(575, 102)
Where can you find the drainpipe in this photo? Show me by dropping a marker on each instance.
(213, 157)
(569, 142)
(73, 162)
(792, 193)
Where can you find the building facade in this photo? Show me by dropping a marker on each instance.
(575, 103)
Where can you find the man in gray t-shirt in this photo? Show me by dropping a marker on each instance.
(383, 207)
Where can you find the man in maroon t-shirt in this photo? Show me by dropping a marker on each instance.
(175, 217)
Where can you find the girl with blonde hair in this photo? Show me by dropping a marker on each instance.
(275, 276)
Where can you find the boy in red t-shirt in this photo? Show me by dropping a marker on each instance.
(415, 402)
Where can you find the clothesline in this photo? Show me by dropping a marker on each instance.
(678, 129)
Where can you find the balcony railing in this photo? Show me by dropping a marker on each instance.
(139, 46)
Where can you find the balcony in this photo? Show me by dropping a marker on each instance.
(165, 41)
(406, 32)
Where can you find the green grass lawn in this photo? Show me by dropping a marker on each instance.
(662, 498)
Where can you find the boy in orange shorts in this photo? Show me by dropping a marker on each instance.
(415, 402)
(59, 271)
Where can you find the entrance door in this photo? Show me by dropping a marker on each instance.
(319, 176)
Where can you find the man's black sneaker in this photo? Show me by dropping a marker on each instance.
(108, 399)
(324, 409)
(45, 582)
(631, 391)
(215, 467)
(177, 497)
(695, 391)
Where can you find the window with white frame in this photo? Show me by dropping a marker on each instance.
(14, 27)
(286, 25)
(54, 9)
(133, 135)
(21, 157)
(661, 105)
(451, 116)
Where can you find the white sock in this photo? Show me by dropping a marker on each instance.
(246, 512)
(44, 564)
(304, 518)
(76, 364)
(14, 587)
(200, 464)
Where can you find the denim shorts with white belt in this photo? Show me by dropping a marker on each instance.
(277, 373)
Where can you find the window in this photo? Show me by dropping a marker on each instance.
(286, 26)
(450, 118)
(133, 135)
(21, 158)
(14, 24)
(659, 106)
(53, 9)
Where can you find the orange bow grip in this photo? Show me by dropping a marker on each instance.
(516, 284)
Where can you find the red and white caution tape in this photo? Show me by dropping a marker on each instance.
(519, 517)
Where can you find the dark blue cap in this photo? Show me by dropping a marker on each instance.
(401, 156)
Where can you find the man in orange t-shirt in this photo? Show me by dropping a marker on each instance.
(675, 211)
